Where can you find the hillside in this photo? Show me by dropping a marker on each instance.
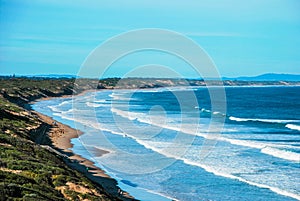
(28, 169)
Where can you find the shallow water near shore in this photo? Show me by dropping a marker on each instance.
(156, 153)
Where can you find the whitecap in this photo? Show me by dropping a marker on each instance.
(288, 155)
(89, 104)
(293, 127)
(280, 121)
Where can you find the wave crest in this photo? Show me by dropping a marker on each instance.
(279, 121)
(293, 127)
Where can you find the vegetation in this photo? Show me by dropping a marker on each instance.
(27, 170)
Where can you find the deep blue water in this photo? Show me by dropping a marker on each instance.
(177, 144)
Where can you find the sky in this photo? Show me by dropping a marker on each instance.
(241, 38)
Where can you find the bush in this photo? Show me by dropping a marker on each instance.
(72, 194)
(12, 178)
(60, 180)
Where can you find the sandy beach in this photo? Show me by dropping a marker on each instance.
(60, 136)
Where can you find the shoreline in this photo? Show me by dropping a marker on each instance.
(61, 135)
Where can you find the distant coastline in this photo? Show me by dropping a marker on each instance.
(72, 85)
(263, 77)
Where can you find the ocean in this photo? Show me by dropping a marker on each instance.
(178, 144)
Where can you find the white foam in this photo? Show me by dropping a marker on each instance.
(160, 150)
(218, 173)
(89, 104)
(288, 155)
(266, 149)
(57, 114)
(262, 120)
(89, 123)
(63, 116)
(100, 101)
(204, 110)
(162, 195)
(293, 127)
(128, 115)
(118, 96)
(245, 143)
(55, 108)
(219, 113)
(209, 111)
(165, 89)
(64, 103)
(143, 118)
(72, 111)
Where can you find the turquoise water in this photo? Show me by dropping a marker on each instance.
(166, 144)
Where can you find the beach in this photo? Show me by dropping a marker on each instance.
(141, 142)
(61, 136)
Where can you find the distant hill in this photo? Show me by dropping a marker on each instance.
(267, 77)
(264, 77)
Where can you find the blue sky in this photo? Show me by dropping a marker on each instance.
(53, 36)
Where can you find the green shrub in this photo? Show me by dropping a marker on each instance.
(60, 180)
(12, 178)
(73, 195)
(10, 190)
